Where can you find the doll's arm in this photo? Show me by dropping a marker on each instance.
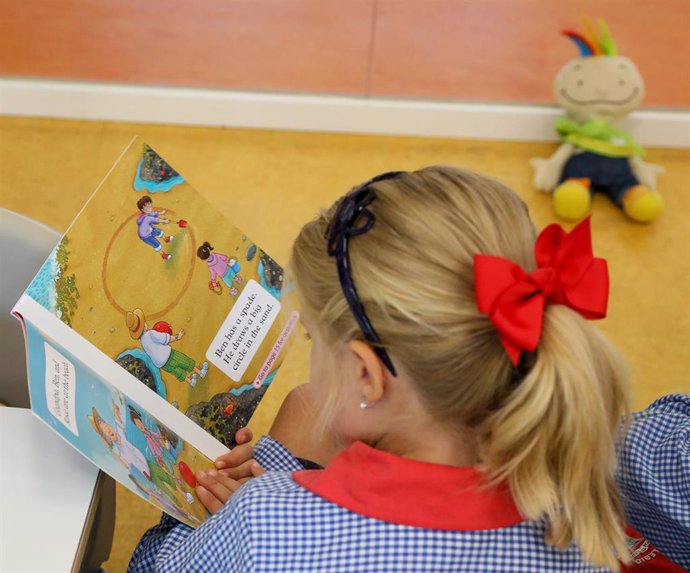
(547, 172)
(646, 173)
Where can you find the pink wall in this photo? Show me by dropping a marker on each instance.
(492, 50)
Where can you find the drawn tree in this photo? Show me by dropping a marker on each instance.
(66, 290)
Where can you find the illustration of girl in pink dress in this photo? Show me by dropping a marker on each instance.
(223, 266)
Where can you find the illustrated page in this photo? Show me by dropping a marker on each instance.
(114, 432)
(153, 276)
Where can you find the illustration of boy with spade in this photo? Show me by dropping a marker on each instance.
(156, 343)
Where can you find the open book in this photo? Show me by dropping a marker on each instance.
(152, 332)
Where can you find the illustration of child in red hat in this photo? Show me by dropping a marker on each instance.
(156, 343)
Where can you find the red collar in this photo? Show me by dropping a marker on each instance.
(398, 490)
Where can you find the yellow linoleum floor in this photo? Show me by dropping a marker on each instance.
(269, 183)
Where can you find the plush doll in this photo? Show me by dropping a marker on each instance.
(595, 90)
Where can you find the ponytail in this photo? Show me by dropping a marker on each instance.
(553, 438)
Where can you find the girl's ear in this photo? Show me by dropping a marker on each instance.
(371, 372)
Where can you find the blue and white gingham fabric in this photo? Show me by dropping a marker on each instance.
(273, 525)
(654, 475)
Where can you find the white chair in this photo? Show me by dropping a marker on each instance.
(24, 245)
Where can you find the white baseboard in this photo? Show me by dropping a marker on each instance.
(322, 113)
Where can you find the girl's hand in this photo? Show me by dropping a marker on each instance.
(216, 486)
(237, 464)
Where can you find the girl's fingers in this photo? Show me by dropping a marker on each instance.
(243, 436)
(219, 486)
(249, 470)
(256, 469)
(209, 500)
(236, 457)
(238, 472)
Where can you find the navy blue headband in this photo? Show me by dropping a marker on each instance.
(352, 218)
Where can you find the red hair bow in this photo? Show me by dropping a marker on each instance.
(567, 273)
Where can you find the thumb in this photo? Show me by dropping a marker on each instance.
(243, 435)
(257, 470)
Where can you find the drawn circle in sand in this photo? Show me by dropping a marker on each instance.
(135, 275)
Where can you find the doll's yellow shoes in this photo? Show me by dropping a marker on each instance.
(642, 204)
(572, 199)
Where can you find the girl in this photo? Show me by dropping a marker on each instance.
(221, 266)
(477, 407)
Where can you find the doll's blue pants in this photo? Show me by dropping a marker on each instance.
(609, 175)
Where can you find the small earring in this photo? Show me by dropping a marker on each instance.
(364, 404)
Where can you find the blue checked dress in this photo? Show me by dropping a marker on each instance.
(339, 520)
(654, 475)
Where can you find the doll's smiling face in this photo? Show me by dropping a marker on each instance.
(599, 87)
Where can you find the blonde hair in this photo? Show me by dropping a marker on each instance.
(548, 432)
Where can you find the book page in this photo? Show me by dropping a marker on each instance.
(112, 430)
(181, 299)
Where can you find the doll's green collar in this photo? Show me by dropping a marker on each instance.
(598, 136)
